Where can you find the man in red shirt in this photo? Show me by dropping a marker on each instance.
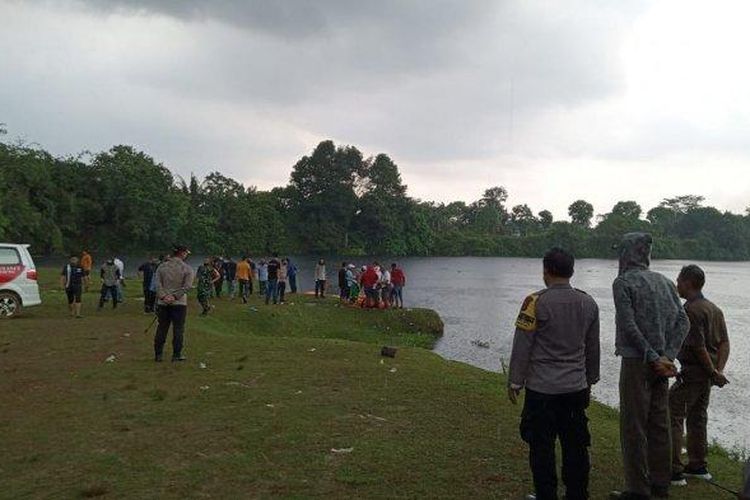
(369, 280)
(398, 280)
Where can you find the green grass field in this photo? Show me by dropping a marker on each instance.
(281, 389)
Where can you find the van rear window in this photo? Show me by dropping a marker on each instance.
(9, 257)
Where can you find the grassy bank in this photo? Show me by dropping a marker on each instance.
(282, 387)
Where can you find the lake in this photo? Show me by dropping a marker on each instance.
(479, 298)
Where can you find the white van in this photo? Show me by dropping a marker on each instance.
(18, 280)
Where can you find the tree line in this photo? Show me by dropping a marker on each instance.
(336, 202)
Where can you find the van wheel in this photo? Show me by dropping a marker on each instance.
(10, 305)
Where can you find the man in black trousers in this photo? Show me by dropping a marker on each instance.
(174, 278)
(555, 358)
(146, 272)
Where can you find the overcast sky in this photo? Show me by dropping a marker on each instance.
(603, 100)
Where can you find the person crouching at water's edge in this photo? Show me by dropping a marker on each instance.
(173, 280)
(555, 358)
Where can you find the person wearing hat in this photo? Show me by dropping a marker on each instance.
(174, 278)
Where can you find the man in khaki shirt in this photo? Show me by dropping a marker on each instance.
(174, 278)
(703, 356)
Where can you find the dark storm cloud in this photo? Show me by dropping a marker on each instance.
(422, 79)
(300, 19)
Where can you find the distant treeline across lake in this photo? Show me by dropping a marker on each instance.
(336, 202)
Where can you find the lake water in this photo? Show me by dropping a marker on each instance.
(479, 297)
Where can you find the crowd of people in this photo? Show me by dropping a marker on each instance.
(372, 286)
(555, 360)
(368, 286)
(166, 281)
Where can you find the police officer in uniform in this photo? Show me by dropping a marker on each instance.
(555, 358)
(174, 278)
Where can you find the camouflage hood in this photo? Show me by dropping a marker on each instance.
(650, 320)
(635, 251)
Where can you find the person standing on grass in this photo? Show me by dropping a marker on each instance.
(253, 276)
(72, 279)
(146, 273)
(651, 325)
(703, 356)
(555, 358)
(244, 278)
(283, 277)
(174, 278)
(206, 278)
(262, 277)
(351, 283)
(87, 263)
(272, 287)
(384, 283)
(369, 282)
(110, 275)
(398, 281)
(320, 279)
(120, 297)
(292, 276)
(219, 283)
(230, 274)
(343, 287)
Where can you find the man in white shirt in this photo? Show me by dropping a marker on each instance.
(120, 265)
(385, 286)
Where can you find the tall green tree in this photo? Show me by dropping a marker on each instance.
(522, 220)
(581, 212)
(138, 201)
(384, 211)
(488, 214)
(545, 219)
(322, 197)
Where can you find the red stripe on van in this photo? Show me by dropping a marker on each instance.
(9, 273)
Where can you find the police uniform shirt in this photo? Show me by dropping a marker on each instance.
(556, 344)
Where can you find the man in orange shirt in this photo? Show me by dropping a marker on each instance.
(86, 263)
(244, 275)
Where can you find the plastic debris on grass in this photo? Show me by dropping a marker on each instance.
(393, 370)
(312, 349)
(204, 388)
(110, 359)
(269, 405)
(202, 365)
(235, 383)
(341, 451)
(373, 417)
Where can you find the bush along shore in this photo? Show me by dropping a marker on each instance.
(289, 401)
